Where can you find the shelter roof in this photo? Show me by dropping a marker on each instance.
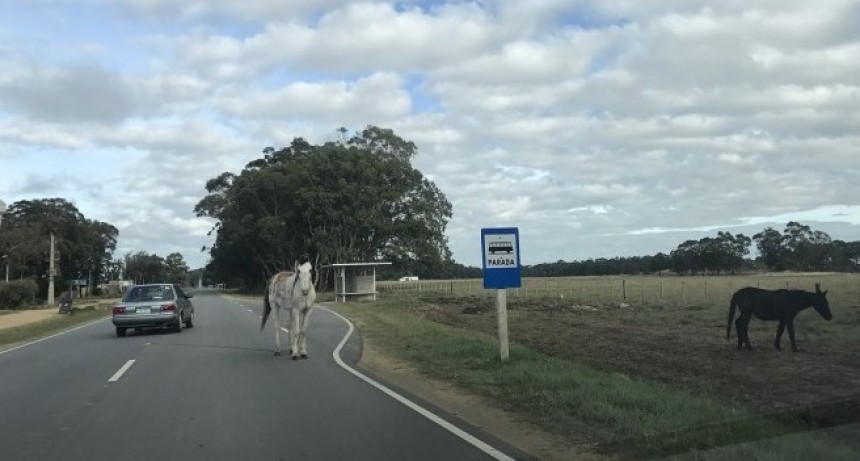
(360, 264)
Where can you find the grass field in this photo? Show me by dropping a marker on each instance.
(642, 378)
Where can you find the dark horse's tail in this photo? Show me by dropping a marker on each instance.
(267, 308)
(733, 305)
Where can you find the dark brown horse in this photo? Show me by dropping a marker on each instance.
(782, 305)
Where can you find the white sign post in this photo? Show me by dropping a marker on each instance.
(502, 314)
(501, 261)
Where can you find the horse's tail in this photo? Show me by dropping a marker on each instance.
(267, 308)
(733, 305)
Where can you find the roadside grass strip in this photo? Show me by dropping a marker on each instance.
(627, 417)
(56, 323)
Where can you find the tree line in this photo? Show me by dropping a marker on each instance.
(83, 251)
(797, 248)
(143, 267)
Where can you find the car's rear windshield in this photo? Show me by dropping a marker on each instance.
(149, 293)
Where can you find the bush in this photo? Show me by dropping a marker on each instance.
(18, 293)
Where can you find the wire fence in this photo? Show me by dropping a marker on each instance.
(667, 291)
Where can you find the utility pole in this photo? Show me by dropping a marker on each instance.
(6, 256)
(51, 274)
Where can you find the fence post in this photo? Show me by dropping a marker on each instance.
(683, 294)
(624, 290)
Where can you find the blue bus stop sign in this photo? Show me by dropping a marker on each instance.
(500, 251)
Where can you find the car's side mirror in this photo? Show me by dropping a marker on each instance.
(189, 296)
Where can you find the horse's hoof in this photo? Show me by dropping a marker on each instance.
(304, 356)
(295, 357)
(277, 353)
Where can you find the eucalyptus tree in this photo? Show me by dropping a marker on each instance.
(806, 249)
(798, 247)
(142, 267)
(723, 253)
(176, 270)
(84, 245)
(770, 248)
(353, 200)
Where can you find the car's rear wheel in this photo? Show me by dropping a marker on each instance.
(120, 331)
(190, 322)
(178, 326)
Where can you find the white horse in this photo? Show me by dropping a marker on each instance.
(294, 292)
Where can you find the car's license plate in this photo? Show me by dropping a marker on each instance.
(143, 310)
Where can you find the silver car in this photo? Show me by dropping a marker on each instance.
(156, 305)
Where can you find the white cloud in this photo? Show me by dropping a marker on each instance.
(379, 95)
(74, 94)
(625, 127)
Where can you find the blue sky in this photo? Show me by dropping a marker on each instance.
(600, 129)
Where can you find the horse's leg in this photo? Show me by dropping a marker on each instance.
(304, 341)
(739, 329)
(779, 331)
(289, 327)
(746, 327)
(294, 332)
(277, 324)
(791, 335)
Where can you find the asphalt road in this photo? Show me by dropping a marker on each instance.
(213, 392)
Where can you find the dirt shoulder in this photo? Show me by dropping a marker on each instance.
(24, 317)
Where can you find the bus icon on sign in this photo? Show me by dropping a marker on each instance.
(502, 246)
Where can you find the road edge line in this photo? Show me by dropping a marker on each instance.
(469, 438)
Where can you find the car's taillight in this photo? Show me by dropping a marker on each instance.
(119, 310)
(168, 307)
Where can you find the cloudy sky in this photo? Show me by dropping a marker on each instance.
(599, 128)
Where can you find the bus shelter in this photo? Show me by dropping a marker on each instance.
(355, 281)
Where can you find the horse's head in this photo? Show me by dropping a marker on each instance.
(820, 303)
(303, 278)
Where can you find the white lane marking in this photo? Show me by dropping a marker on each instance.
(251, 311)
(116, 376)
(474, 441)
(285, 330)
(53, 335)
